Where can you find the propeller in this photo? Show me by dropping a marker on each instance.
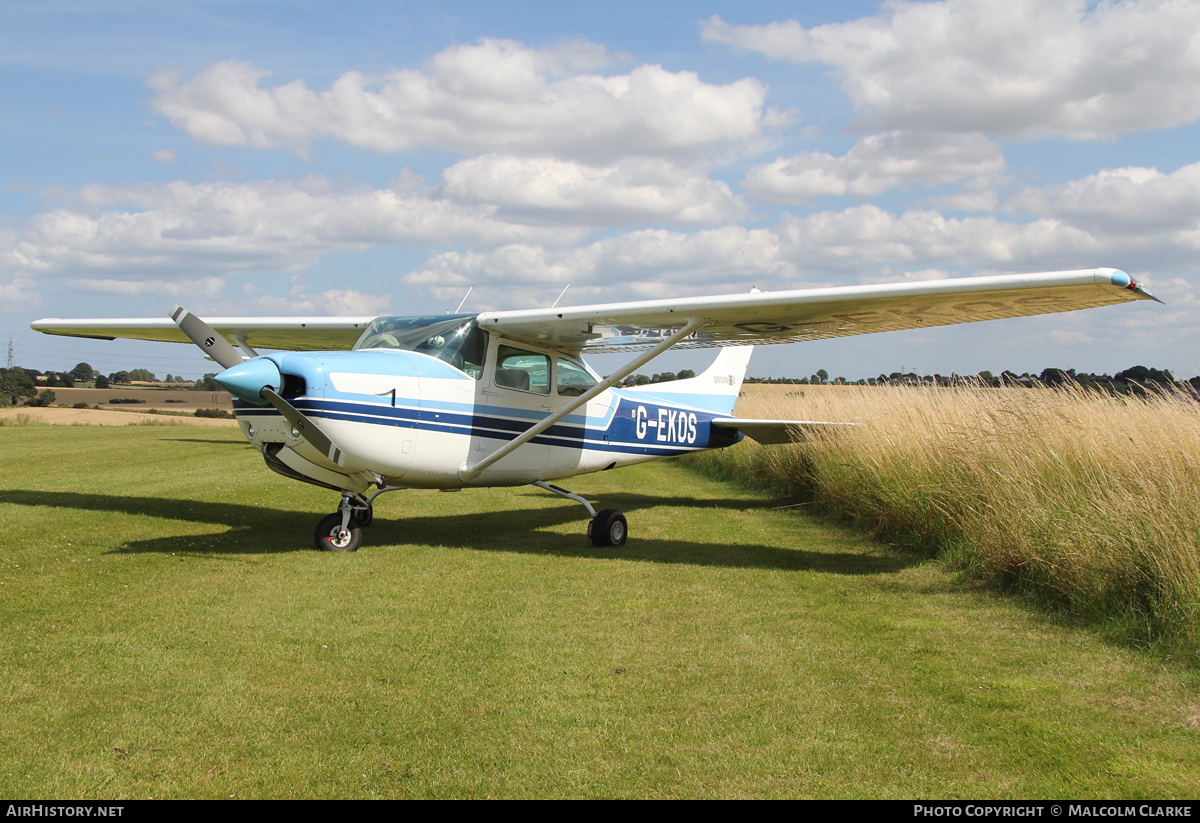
(206, 337)
(248, 380)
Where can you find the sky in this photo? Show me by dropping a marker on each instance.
(271, 158)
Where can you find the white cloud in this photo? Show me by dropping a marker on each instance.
(855, 240)
(143, 230)
(637, 265)
(15, 295)
(336, 302)
(889, 275)
(634, 190)
(264, 225)
(1133, 200)
(862, 244)
(1016, 68)
(875, 164)
(189, 287)
(188, 238)
(496, 95)
(163, 156)
(983, 199)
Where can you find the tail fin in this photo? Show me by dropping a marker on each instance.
(715, 390)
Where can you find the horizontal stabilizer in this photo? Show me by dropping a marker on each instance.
(776, 432)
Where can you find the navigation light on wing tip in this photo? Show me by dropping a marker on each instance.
(1120, 278)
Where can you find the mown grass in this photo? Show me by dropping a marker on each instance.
(167, 633)
(1086, 502)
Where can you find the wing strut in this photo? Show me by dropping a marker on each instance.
(469, 471)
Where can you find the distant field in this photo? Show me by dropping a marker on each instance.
(106, 413)
(60, 416)
(1087, 502)
(181, 400)
(168, 634)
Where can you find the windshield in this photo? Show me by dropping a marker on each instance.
(454, 338)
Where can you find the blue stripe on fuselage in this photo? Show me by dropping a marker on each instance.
(629, 427)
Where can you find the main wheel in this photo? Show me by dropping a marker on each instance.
(331, 538)
(364, 516)
(608, 528)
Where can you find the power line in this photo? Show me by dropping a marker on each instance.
(44, 351)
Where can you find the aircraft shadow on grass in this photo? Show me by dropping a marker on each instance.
(257, 530)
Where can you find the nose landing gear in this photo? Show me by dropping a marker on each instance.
(342, 530)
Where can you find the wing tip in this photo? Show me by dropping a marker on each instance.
(1122, 280)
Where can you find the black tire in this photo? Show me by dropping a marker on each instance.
(330, 537)
(364, 517)
(608, 528)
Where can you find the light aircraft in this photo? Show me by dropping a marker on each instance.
(504, 398)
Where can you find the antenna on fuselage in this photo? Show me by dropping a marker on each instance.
(464, 300)
(560, 296)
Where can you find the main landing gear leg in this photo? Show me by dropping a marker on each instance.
(606, 528)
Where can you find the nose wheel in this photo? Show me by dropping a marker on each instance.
(342, 530)
(334, 536)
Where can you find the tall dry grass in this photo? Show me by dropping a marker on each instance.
(1087, 501)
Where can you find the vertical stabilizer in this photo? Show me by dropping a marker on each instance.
(715, 390)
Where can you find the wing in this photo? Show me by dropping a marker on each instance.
(287, 333)
(813, 314)
(731, 320)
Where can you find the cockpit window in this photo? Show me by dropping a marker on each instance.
(573, 379)
(455, 339)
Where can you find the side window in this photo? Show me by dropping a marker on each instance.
(523, 370)
(573, 379)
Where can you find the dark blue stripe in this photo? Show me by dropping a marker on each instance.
(620, 436)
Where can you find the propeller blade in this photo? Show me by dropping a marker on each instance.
(206, 337)
(216, 346)
(305, 427)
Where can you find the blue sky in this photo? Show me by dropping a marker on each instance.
(298, 158)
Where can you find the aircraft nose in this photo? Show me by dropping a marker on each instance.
(246, 380)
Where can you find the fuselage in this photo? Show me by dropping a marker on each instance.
(413, 420)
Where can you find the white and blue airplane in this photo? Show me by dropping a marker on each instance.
(504, 398)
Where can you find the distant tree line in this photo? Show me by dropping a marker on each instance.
(1135, 380)
(21, 385)
(663, 377)
(84, 373)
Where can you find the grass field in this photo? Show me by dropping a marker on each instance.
(167, 633)
(1082, 501)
